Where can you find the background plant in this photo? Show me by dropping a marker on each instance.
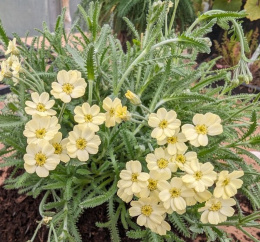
(159, 67)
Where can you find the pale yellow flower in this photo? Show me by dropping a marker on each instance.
(40, 158)
(164, 123)
(12, 59)
(82, 142)
(161, 228)
(60, 146)
(12, 48)
(41, 128)
(134, 99)
(149, 213)
(227, 184)
(217, 210)
(152, 187)
(123, 195)
(69, 85)
(207, 124)
(111, 107)
(89, 116)
(40, 105)
(122, 113)
(199, 176)
(198, 197)
(173, 194)
(175, 144)
(181, 159)
(132, 180)
(160, 161)
(5, 71)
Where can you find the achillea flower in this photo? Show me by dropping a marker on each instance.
(41, 128)
(12, 48)
(69, 85)
(164, 123)
(111, 107)
(217, 210)
(82, 142)
(160, 161)
(89, 116)
(60, 146)
(162, 228)
(198, 197)
(207, 124)
(40, 158)
(134, 99)
(5, 71)
(173, 194)
(122, 113)
(227, 184)
(40, 105)
(124, 196)
(182, 159)
(133, 180)
(149, 213)
(199, 176)
(175, 144)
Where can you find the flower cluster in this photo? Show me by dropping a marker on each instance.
(164, 190)
(46, 147)
(11, 67)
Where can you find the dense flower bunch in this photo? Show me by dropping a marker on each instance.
(11, 67)
(164, 189)
(46, 147)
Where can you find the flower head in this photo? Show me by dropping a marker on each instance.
(89, 116)
(148, 211)
(164, 123)
(12, 48)
(175, 144)
(134, 99)
(40, 158)
(41, 128)
(132, 180)
(111, 108)
(173, 194)
(40, 105)
(198, 197)
(228, 183)
(199, 176)
(207, 124)
(82, 142)
(216, 210)
(69, 85)
(160, 161)
(60, 146)
(5, 71)
(181, 159)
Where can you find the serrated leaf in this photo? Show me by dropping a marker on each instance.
(90, 63)
(252, 126)
(10, 121)
(3, 36)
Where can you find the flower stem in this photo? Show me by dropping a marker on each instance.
(61, 112)
(36, 231)
(173, 15)
(90, 91)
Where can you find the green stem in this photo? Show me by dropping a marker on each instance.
(61, 112)
(65, 223)
(145, 108)
(247, 234)
(39, 84)
(90, 91)
(54, 233)
(173, 15)
(139, 116)
(42, 203)
(36, 231)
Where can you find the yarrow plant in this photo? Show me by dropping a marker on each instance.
(142, 130)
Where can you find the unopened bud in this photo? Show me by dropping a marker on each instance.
(134, 99)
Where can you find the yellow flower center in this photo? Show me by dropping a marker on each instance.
(58, 148)
(162, 163)
(146, 210)
(181, 158)
(40, 159)
(226, 182)
(81, 144)
(215, 207)
(172, 140)
(112, 112)
(67, 88)
(201, 129)
(198, 175)
(163, 124)
(134, 177)
(152, 184)
(175, 192)
(40, 107)
(40, 133)
(88, 118)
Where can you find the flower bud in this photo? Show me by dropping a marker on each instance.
(134, 99)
